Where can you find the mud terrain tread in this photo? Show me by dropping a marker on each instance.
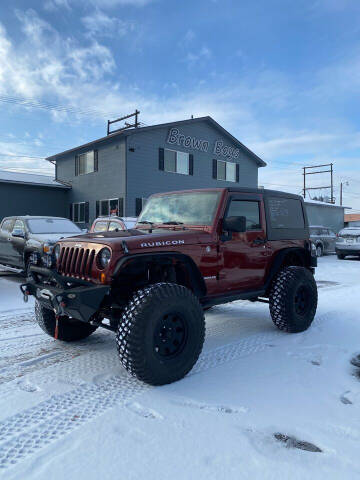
(131, 331)
(69, 331)
(280, 299)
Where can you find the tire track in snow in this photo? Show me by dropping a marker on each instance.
(25, 433)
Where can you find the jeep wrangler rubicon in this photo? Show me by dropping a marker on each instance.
(190, 250)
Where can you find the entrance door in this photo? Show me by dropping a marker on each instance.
(244, 255)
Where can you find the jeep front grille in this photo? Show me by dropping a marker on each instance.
(76, 262)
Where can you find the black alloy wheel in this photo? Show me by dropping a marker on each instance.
(170, 335)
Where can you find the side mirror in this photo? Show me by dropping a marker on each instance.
(18, 233)
(235, 224)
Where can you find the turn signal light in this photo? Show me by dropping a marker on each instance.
(102, 277)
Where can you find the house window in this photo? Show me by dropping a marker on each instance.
(177, 162)
(86, 163)
(108, 207)
(78, 212)
(227, 171)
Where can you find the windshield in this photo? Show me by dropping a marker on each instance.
(52, 225)
(195, 208)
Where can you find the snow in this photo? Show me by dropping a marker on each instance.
(29, 178)
(71, 411)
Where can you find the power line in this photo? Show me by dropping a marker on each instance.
(20, 156)
(33, 103)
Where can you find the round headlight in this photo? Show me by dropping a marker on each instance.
(57, 252)
(104, 257)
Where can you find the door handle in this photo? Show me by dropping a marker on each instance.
(259, 241)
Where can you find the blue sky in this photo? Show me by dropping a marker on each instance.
(281, 76)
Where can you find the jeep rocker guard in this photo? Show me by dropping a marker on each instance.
(190, 250)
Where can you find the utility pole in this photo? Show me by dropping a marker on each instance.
(341, 187)
(330, 170)
(341, 191)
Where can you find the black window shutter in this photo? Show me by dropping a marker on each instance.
(161, 159)
(87, 208)
(214, 169)
(71, 211)
(76, 165)
(237, 173)
(138, 206)
(97, 208)
(191, 164)
(96, 161)
(121, 207)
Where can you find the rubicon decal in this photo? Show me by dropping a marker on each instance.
(163, 243)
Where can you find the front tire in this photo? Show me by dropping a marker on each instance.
(293, 299)
(68, 330)
(340, 256)
(319, 251)
(161, 333)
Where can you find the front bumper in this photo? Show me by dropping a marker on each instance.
(348, 250)
(74, 298)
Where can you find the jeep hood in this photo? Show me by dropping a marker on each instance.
(141, 239)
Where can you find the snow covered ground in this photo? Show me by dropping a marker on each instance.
(71, 411)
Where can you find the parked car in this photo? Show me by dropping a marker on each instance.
(323, 238)
(28, 236)
(348, 242)
(111, 224)
(190, 250)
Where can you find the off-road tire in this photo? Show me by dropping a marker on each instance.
(137, 337)
(319, 250)
(288, 311)
(340, 256)
(69, 330)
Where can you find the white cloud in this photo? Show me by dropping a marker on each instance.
(202, 55)
(100, 24)
(52, 5)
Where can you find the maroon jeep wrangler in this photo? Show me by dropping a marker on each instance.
(189, 251)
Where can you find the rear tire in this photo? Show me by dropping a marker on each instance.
(340, 256)
(68, 330)
(293, 299)
(161, 333)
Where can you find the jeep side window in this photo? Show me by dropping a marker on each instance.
(248, 209)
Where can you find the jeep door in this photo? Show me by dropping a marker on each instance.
(244, 256)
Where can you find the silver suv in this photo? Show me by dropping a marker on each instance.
(348, 242)
(323, 238)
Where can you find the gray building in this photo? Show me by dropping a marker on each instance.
(117, 173)
(325, 214)
(28, 194)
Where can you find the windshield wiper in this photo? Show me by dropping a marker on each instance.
(173, 223)
(146, 222)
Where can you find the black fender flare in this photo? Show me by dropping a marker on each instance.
(196, 278)
(279, 259)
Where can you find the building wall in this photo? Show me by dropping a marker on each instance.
(327, 215)
(144, 177)
(108, 182)
(128, 167)
(20, 199)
